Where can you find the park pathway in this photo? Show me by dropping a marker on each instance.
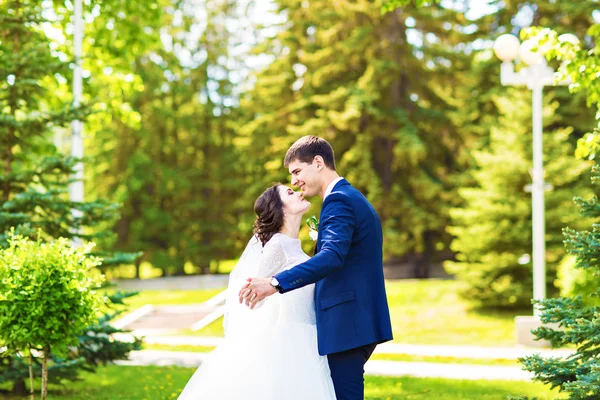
(373, 367)
(473, 352)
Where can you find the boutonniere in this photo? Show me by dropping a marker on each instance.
(313, 225)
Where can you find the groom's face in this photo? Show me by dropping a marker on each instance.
(305, 177)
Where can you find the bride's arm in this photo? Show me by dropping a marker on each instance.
(272, 260)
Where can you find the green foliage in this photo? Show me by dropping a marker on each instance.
(492, 226)
(390, 5)
(35, 178)
(578, 322)
(47, 294)
(573, 281)
(169, 158)
(47, 297)
(35, 175)
(386, 101)
(580, 65)
(493, 229)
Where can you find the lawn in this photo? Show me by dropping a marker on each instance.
(162, 383)
(431, 312)
(168, 297)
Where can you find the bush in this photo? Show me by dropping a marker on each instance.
(47, 298)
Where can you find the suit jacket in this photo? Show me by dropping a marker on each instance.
(350, 299)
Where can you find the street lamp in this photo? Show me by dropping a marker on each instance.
(535, 76)
(76, 186)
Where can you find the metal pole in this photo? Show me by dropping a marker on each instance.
(537, 199)
(76, 187)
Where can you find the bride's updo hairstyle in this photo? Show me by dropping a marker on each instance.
(269, 214)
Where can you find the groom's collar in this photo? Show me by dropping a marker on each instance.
(331, 186)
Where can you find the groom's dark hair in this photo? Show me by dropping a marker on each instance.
(307, 148)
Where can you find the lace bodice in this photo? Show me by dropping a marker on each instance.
(279, 254)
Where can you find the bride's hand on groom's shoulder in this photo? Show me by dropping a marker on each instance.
(255, 290)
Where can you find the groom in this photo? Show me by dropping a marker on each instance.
(351, 305)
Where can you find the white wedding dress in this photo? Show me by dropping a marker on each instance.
(270, 352)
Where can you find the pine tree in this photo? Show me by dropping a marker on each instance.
(577, 375)
(174, 162)
(383, 89)
(493, 229)
(488, 248)
(578, 324)
(35, 176)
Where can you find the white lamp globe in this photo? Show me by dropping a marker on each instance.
(506, 47)
(569, 38)
(527, 55)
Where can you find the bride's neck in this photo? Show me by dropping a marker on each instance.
(291, 226)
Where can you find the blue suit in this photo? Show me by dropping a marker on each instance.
(350, 299)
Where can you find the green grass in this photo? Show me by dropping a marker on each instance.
(162, 383)
(431, 312)
(378, 356)
(168, 297)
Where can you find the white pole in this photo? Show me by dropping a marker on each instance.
(76, 187)
(537, 199)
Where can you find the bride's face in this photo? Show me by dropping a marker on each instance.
(293, 202)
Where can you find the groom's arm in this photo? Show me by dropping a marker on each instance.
(337, 227)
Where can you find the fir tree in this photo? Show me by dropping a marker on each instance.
(35, 176)
(493, 228)
(492, 259)
(578, 323)
(381, 90)
(171, 159)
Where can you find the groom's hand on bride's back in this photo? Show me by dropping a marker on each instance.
(255, 290)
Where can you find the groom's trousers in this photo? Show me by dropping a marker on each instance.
(347, 372)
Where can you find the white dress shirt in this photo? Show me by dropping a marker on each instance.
(330, 187)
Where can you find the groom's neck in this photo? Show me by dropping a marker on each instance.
(328, 177)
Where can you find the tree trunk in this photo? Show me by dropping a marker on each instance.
(423, 262)
(204, 267)
(180, 271)
(31, 388)
(138, 263)
(45, 372)
(19, 388)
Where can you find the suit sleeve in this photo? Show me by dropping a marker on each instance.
(336, 229)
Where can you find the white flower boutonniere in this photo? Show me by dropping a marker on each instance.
(313, 224)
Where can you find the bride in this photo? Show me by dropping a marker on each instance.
(269, 352)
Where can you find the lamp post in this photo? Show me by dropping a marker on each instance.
(76, 186)
(535, 76)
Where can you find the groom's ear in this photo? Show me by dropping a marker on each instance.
(319, 163)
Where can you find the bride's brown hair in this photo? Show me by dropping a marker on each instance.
(269, 214)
